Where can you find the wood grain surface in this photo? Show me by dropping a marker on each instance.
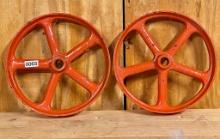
(192, 124)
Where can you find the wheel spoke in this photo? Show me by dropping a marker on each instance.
(82, 47)
(50, 35)
(162, 89)
(201, 76)
(181, 39)
(50, 91)
(136, 69)
(148, 40)
(31, 65)
(82, 80)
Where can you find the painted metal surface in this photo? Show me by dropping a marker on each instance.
(163, 61)
(58, 65)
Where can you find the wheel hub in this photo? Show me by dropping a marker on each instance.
(164, 61)
(58, 64)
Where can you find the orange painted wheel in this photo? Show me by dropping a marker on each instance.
(57, 65)
(163, 61)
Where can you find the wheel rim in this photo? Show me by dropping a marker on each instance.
(163, 61)
(57, 65)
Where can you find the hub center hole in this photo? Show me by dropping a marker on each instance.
(164, 61)
(59, 63)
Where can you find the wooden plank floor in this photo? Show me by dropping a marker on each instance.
(113, 125)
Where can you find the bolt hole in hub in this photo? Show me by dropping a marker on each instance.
(164, 61)
(59, 64)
